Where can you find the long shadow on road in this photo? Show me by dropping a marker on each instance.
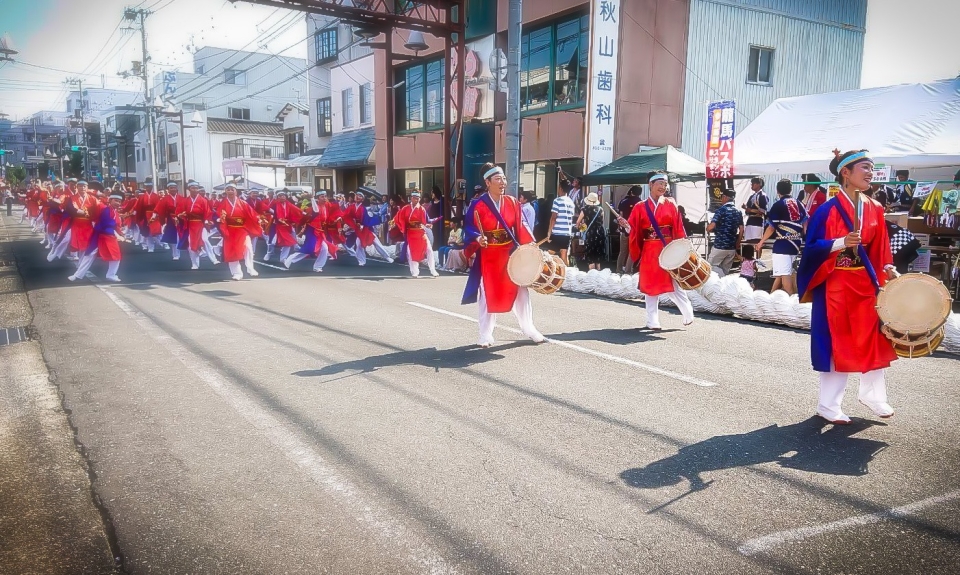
(431, 357)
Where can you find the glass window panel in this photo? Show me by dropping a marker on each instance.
(414, 98)
(763, 74)
(411, 179)
(435, 94)
(567, 69)
(753, 65)
(535, 70)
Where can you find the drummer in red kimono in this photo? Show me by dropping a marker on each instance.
(104, 241)
(411, 221)
(493, 227)
(286, 217)
(238, 221)
(83, 210)
(54, 211)
(846, 260)
(321, 219)
(654, 223)
(150, 228)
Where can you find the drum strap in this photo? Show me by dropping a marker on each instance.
(653, 220)
(860, 249)
(485, 198)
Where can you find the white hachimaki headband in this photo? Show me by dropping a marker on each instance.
(492, 172)
(116, 196)
(657, 177)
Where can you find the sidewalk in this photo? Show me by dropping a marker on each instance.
(48, 521)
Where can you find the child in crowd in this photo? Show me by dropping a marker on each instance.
(748, 267)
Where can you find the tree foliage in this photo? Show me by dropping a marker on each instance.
(16, 175)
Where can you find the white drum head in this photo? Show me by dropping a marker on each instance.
(914, 303)
(676, 253)
(525, 265)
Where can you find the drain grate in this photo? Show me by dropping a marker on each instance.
(11, 335)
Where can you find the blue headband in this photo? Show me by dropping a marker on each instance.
(493, 171)
(657, 177)
(852, 160)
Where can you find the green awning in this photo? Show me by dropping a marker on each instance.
(633, 168)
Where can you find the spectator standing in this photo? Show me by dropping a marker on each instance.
(624, 208)
(785, 222)
(435, 213)
(727, 228)
(561, 223)
(905, 191)
(590, 224)
(756, 209)
(813, 194)
(528, 210)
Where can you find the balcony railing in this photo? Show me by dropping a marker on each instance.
(255, 149)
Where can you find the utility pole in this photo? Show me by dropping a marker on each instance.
(83, 124)
(141, 14)
(514, 19)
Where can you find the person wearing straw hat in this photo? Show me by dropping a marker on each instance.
(104, 241)
(238, 222)
(493, 227)
(590, 225)
(412, 221)
(654, 223)
(846, 260)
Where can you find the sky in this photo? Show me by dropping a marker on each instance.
(906, 41)
(85, 37)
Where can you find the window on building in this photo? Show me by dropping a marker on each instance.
(239, 113)
(366, 103)
(293, 143)
(172, 152)
(346, 107)
(238, 77)
(198, 69)
(419, 100)
(553, 65)
(324, 117)
(326, 44)
(761, 65)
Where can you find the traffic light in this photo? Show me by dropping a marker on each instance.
(5, 152)
(78, 148)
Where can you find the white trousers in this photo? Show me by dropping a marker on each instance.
(285, 252)
(61, 247)
(522, 309)
(87, 261)
(235, 271)
(679, 298)
(248, 256)
(360, 252)
(415, 265)
(175, 251)
(253, 245)
(205, 234)
(833, 385)
(317, 265)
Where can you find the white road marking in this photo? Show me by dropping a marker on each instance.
(258, 262)
(761, 544)
(616, 359)
(292, 447)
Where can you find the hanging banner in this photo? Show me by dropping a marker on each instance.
(604, 69)
(923, 189)
(720, 134)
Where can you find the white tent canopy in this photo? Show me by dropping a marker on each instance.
(911, 126)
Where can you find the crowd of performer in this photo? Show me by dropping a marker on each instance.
(846, 259)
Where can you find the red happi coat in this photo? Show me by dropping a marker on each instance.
(286, 215)
(196, 211)
(55, 213)
(857, 344)
(84, 212)
(646, 246)
(238, 221)
(499, 291)
(108, 248)
(410, 222)
(324, 222)
(145, 206)
(353, 216)
(33, 202)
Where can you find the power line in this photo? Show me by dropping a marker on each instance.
(56, 69)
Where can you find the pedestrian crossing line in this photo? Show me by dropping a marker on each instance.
(295, 449)
(585, 350)
(767, 542)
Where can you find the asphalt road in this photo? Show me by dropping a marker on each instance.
(345, 422)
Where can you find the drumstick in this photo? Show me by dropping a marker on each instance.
(541, 242)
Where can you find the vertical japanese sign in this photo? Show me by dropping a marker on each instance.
(604, 64)
(720, 135)
(169, 84)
